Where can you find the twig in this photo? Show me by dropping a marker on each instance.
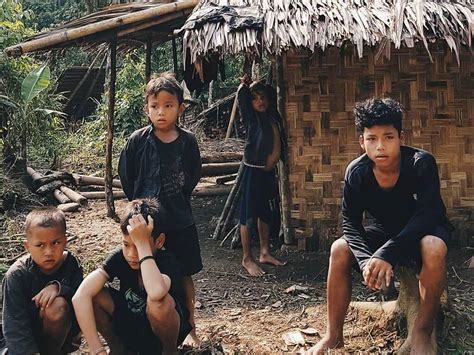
(229, 234)
(461, 280)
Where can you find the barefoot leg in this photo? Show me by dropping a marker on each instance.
(192, 339)
(339, 289)
(265, 256)
(248, 262)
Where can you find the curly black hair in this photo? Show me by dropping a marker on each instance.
(378, 111)
(146, 207)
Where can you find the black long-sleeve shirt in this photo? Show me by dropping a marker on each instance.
(412, 209)
(22, 282)
(167, 171)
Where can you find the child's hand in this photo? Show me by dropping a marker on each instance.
(376, 272)
(46, 296)
(246, 79)
(139, 230)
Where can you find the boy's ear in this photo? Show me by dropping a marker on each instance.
(182, 107)
(160, 241)
(361, 141)
(25, 244)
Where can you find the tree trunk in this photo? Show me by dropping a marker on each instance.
(110, 129)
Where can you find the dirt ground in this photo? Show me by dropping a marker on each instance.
(239, 314)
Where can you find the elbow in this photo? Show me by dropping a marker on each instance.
(156, 296)
(78, 298)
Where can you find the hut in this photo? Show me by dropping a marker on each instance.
(329, 54)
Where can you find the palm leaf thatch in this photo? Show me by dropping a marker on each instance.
(275, 26)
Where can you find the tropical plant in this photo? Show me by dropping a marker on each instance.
(27, 114)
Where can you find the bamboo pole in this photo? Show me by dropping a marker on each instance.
(235, 202)
(175, 56)
(110, 129)
(102, 195)
(232, 118)
(94, 180)
(283, 171)
(148, 48)
(228, 203)
(73, 195)
(60, 197)
(76, 33)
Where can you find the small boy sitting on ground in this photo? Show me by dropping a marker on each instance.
(146, 313)
(37, 312)
(399, 186)
(263, 148)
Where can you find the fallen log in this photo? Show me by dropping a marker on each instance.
(73, 195)
(69, 207)
(223, 179)
(213, 190)
(214, 169)
(94, 180)
(226, 157)
(94, 195)
(60, 197)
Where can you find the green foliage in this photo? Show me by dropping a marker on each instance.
(34, 83)
(46, 14)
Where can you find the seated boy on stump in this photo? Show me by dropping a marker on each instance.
(145, 313)
(399, 186)
(37, 312)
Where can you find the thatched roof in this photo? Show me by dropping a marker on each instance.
(274, 26)
(133, 24)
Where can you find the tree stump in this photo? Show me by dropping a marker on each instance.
(405, 307)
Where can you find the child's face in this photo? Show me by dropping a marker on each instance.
(163, 109)
(382, 145)
(130, 250)
(46, 246)
(259, 103)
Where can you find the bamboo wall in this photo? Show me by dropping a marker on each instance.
(321, 90)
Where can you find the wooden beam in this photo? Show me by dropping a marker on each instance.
(112, 66)
(283, 171)
(111, 24)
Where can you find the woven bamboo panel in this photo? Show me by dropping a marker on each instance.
(321, 90)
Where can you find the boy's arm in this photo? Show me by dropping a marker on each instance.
(352, 212)
(429, 212)
(156, 284)
(196, 165)
(126, 168)
(84, 309)
(17, 327)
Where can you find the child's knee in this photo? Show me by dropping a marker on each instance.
(433, 250)
(58, 311)
(341, 253)
(156, 308)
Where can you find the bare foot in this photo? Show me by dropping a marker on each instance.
(324, 344)
(422, 343)
(269, 259)
(252, 268)
(192, 340)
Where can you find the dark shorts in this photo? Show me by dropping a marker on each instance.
(135, 329)
(376, 236)
(72, 341)
(184, 244)
(260, 197)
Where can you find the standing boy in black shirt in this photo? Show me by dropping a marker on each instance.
(163, 161)
(399, 186)
(145, 312)
(37, 312)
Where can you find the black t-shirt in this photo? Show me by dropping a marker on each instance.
(127, 279)
(176, 212)
(412, 209)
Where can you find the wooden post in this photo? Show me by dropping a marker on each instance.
(232, 118)
(283, 171)
(209, 97)
(148, 49)
(112, 66)
(175, 57)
